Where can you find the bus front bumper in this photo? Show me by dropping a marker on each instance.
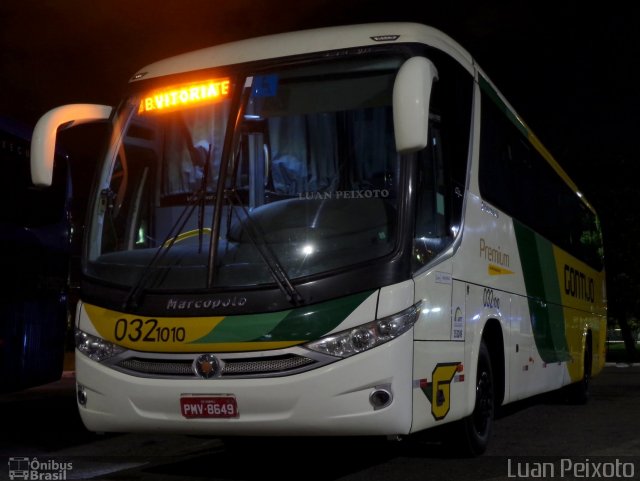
(331, 400)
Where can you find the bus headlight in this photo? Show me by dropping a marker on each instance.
(94, 347)
(364, 337)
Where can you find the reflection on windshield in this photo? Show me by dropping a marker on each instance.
(312, 182)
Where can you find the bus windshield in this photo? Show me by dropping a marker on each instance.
(309, 180)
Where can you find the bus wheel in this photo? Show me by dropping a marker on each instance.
(578, 393)
(470, 436)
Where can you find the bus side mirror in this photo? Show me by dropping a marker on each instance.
(43, 142)
(411, 93)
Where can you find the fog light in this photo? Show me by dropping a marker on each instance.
(82, 395)
(380, 398)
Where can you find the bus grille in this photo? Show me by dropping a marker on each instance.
(234, 367)
(158, 367)
(231, 367)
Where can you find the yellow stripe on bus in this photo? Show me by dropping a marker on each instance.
(169, 334)
(155, 334)
(494, 270)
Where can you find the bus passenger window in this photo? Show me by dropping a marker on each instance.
(431, 232)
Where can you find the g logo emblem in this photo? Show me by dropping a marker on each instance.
(439, 390)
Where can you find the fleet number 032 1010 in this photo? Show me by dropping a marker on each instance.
(138, 330)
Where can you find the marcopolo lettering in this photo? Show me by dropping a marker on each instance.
(205, 304)
(577, 284)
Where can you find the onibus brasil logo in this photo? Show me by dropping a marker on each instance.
(33, 469)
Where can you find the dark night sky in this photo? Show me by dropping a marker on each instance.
(571, 71)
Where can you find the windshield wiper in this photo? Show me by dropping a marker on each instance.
(256, 236)
(222, 194)
(133, 296)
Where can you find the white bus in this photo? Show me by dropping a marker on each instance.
(341, 231)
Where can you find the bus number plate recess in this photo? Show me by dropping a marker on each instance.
(209, 406)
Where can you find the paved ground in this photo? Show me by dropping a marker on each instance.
(43, 424)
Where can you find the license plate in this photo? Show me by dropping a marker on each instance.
(209, 407)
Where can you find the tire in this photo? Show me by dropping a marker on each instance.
(470, 436)
(578, 393)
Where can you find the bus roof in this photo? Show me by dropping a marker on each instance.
(303, 42)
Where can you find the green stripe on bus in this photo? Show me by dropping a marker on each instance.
(304, 323)
(315, 321)
(543, 294)
(243, 328)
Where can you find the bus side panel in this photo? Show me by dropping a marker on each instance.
(433, 290)
(488, 262)
(565, 298)
(440, 387)
(520, 384)
(440, 394)
(513, 280)
(583, 295)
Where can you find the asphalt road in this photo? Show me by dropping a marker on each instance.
(543, 436)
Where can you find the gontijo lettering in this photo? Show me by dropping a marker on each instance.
(579, 285)
(177, 97)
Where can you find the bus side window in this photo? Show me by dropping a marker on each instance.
(431, 225)
(442, 165)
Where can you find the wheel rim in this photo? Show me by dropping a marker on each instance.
(483, 412)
